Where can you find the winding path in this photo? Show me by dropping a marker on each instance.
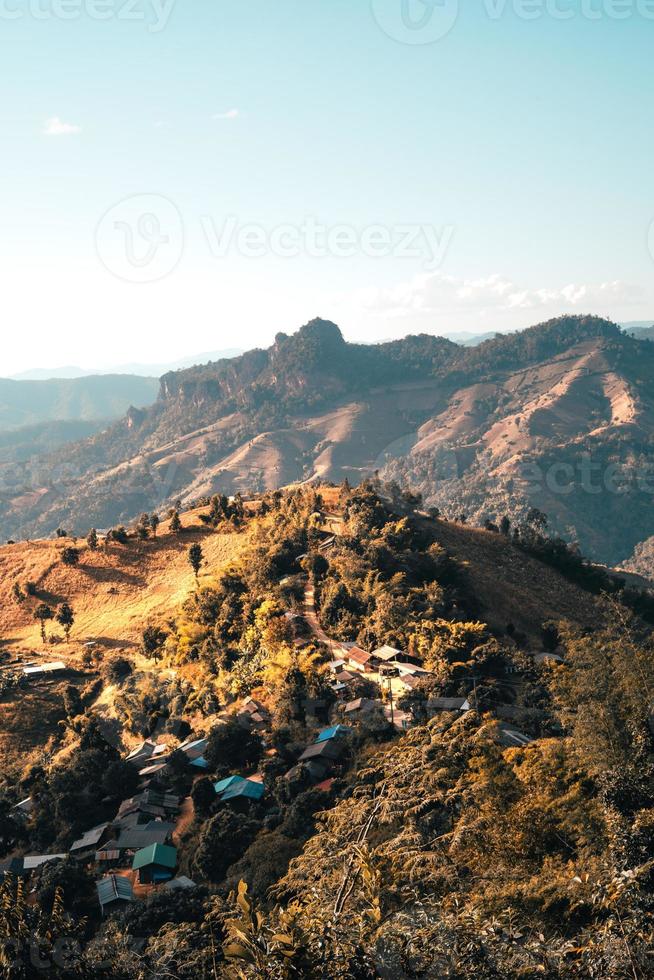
(311, 616)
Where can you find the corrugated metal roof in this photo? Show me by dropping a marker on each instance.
(512, 738)
(90, 838)
(447, 704)
(154, 769)
(32, 861)
(196, 747)
(358, 656)
(114, 888)
(386, 653)
(246, 788)
(159, 854)
(49, 668)
(135, 839)
(322, 750)
(224, 784)
(328, 733)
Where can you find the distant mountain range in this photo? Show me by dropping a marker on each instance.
(488, 430)
(641, 329)
(143, 370)
(78, 400)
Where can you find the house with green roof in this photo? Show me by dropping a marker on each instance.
(155, 863)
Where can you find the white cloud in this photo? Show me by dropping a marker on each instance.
(230, 114)
(437, 292)
(56, 127)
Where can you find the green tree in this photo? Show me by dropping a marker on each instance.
(231, 747)
(72, 701)
(153, 640)
(66, 618)
(92, 539)
(43, 613)
(154, 524)
(204, 796)
(17, 593)
(195, 557)
(175, 523)
(223, 841)
(70, 556)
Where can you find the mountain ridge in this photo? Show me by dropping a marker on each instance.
(314, 406)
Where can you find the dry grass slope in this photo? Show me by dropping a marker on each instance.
(511, 587)
(113, 592)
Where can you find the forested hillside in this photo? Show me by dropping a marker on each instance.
(359, 741)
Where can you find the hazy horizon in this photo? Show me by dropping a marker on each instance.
(228, 171)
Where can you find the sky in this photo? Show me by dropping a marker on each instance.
(193, 175)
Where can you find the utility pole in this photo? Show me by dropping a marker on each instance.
(389, 673)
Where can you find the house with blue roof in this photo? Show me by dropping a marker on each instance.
(336, 731)
(246, 790)
(224, 784)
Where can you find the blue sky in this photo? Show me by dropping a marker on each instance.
(487, 179)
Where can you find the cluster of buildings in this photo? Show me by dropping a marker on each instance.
(394, 671)
(136, 849)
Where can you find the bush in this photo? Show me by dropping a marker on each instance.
(70, 556)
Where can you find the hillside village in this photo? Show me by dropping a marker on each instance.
(183, 760)
(135, 846)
